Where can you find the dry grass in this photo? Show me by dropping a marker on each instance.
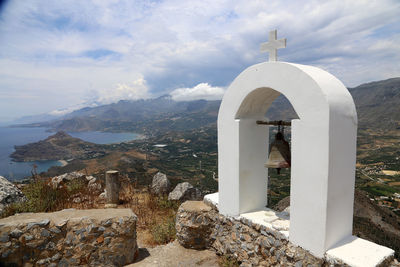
(225, 261)
(42, 197)
(156, 215)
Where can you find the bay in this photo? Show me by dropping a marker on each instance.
(9, 137)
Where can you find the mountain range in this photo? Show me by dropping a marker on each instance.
(377, 103)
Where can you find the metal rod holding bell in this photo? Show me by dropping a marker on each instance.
(284, 123)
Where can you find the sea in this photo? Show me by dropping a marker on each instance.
(10, 137)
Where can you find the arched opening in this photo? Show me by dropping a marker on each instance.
(255, 140)
(270, 105)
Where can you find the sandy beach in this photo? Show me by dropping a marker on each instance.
(63, 162)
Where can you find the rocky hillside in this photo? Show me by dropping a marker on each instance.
(144, 116)
(377, 103)
(378, 106)
(370, 221)
(56, 147)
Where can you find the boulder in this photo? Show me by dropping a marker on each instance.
(194, 225)
(160, 184)
(66, 177)
(9, 193)
(90, 178)
(185, 191)
(103, 195)
(93, 185)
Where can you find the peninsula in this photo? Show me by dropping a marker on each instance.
(60, 146)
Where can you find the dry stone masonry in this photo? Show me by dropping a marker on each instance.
(201, 226)
(69, 238)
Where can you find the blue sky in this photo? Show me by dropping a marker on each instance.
(57, 56)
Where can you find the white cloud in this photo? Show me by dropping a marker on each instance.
(126, 91)
(63, 50)
(133, 91)
(200, 91)
(63, 111)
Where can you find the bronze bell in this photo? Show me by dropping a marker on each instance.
(279, 153)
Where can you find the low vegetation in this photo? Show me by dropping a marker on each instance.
(225, 261)
(39, 198)
(164, 232)
(156, 214)
(42, 197)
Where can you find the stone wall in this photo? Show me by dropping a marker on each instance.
(99, 237)
(200, 226)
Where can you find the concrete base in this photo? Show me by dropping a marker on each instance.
(358, 252)
(352, 251)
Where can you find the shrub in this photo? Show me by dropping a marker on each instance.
(40, 197)
(226, 261)
(164, 203)
(164, 232)
(76, 186)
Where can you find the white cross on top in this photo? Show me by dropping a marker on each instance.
(273, 45)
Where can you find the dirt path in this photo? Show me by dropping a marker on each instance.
(172, 255)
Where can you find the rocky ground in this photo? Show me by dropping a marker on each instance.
(173, 254)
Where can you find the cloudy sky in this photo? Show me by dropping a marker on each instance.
(61, 55)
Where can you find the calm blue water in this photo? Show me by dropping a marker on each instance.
(21, 136)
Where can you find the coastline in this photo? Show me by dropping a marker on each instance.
(20, 167)
(63, 162)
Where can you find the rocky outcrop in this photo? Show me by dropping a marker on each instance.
(69, 238)
(160, 184)
(185, 191)
(9, 193)
(93, 183)
(66, 177)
